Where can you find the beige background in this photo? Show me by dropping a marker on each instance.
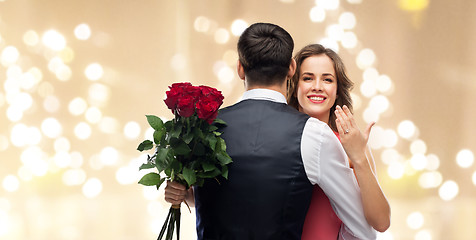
(143, 46)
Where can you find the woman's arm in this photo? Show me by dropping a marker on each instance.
(375, 204)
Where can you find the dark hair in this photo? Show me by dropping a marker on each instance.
(265, 52)
(344, 84)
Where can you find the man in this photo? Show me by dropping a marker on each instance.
(278, 154)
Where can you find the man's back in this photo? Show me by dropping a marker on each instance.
(267, 193)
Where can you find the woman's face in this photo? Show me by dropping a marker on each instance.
(317, 87)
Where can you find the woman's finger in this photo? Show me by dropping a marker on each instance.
(349, 116)
(342, 119)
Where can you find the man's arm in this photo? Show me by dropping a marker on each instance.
(326, 164)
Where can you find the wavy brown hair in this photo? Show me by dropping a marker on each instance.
(344, 84)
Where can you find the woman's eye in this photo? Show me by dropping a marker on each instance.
(328, 80)
(306, 78)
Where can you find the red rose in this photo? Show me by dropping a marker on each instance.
(193, 92)
(207, 109)
(176, 91)
(186, 106)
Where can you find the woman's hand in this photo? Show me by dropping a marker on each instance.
(352, 139)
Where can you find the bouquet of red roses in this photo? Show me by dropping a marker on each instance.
(188, 148)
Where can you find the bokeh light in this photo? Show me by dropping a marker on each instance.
(92, 188)
(94, 71)
(82, 131)
(465, 158)
(222, 36)
(415, 220)
(132, 130)
(82, 31)
(347, 20)
(238, 26)
(448, 190)
(317, 14)
(31, 38)
(430, 179)
(202, 24)
(53, 40)
(11, 183)
(51, 127)
(406, 129)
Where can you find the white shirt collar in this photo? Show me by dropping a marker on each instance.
(264, 94)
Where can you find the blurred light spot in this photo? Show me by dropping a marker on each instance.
(317, 14)
(3, 143)
(406, 129)
(11, 183)
(82, 31)
(126, 175)
(63, 73)
(98, 94)
(31, 38)
(5, 204)
(77, 106)
(14, 114)
(230, 57)
(109, 156)
(389, 155)
(330, 43)
(433, 162)
(448, 190)
(347, 20)
(395, 170)
(418, 161)
(368, 88)
(418, 147)
(22, 101)
(225, 74)
(150, 193)
(55, 64)
(62, 145)
(34, 160)
(376, 136)
(430, 179)
(379, 103)
(74, 177)
(51, 127)
(334, 32)
(366, 58)
(202, 24)
(415, 220)
(413, 5)
(17, 135)
(67, 55)
(465, 158)
(93, 115)
(28, 81)
(222, 36)
(349, 40)
(76, 160)
(132, 130)
(109, 125)
(357, 101)
(82, 131)
(5, 222)
(94, 71)
(9, 55)
(387, 235)
(178, 62)
(384, 84)
(354, 1)
(92, 188)
(238, 26)
(33, 136)
(54, 40)
(62, 159)
(328, 4)
(51, 104)
(423, 235)
(2, 99)
(149, 133)
(390, 138)
(370, 115)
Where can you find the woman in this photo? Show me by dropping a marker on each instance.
(318, 88)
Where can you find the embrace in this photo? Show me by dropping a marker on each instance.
(301, 167)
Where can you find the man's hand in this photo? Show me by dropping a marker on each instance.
(175, 193)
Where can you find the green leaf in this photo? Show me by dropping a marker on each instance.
(222, 144)
(169, 125)
(145, 145)
(181, 148)
(212, 141)
(161, 161)
(175, 166)
(224, 172)
(217, 133)
(151, 179)
(223, 158)
(212, 128)
(188, 137)
(210, 174)
(218, 121)
(146, 166)
(189, 176)
(177, 129)
(207, 167)
(155, 122)
(198, 150)
(158, 134)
